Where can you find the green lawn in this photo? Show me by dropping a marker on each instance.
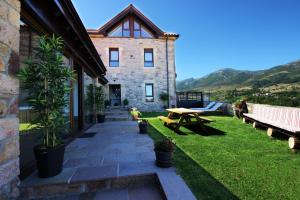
(24, 127)
(232, 160)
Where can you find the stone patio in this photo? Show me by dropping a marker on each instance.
(118, 154)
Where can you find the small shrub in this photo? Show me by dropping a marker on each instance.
(125, 102)
(165, 146)
(164, 97)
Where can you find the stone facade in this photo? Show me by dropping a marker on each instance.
(131, 73)
(9, 90)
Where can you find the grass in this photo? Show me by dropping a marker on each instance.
(232, 160)
(24, 127)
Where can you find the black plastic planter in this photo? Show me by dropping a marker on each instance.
(143, 127)
(100, 118)
(49, 161)
(163, 159)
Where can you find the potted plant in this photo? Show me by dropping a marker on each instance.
(45, 79)
(163, 152)
(143, 125)
(99, 98)
(164, 97)
(135, 114)
(107, 103)
(89, 103)
(125, 102)
(236, 107)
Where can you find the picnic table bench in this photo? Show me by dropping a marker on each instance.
(185, 118)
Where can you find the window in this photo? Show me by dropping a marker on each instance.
(140, 31)
(114, 57)
(149, 92)
(123, 30)
(148, 58)
(130, 28)
(126, 29)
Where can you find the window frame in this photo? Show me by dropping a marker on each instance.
(149, 50)
(126, 29)
(149, 98)
(131, 29)
(110, 59)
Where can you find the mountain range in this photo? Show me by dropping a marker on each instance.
(228, 79)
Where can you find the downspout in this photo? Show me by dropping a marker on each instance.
(167, 63)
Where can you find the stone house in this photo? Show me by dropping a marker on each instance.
(21, 24)
(140, 60)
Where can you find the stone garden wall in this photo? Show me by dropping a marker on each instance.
(131, 73)
(9, 90)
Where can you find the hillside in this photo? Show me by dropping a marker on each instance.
(228, 79)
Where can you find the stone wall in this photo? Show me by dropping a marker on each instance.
(9, 90)
(131, 73)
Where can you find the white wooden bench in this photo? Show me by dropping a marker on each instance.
(277, 119)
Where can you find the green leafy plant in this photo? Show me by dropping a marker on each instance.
(89, 98)
(164, 97)
(125, 102)
(164, 145)
(45, 78)
(136, 113)
(99, 98)
(106, 103)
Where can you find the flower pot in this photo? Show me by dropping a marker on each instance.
(49, 160)
(135, 117)
(90, 118)
(163, 159)
(143, 127)
(101, 118)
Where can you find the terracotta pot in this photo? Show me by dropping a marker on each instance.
(135, 117)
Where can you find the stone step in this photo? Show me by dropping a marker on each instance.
(117, 118)
(117, 113)
(91, 183)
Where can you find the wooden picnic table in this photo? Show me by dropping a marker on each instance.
(185, 118)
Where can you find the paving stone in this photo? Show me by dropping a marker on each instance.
(75, 154)
(34, 180)
(116, 151)
(174, 186)
(129, 169)
(84, 162)
(95, 173)
(117, 194)
(144, 192)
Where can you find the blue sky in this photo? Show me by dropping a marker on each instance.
(214, 34)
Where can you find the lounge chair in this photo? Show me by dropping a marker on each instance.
(208, 106)
(212, 109)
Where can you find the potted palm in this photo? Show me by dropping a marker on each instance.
(89, 103)
(45, 79)
(143, 125)
(163, 152)
(99, 98)
(164, 97)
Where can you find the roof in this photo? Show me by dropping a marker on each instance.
(130, 11)
(60, 17)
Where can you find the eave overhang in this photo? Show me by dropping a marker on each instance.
(60, 17)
